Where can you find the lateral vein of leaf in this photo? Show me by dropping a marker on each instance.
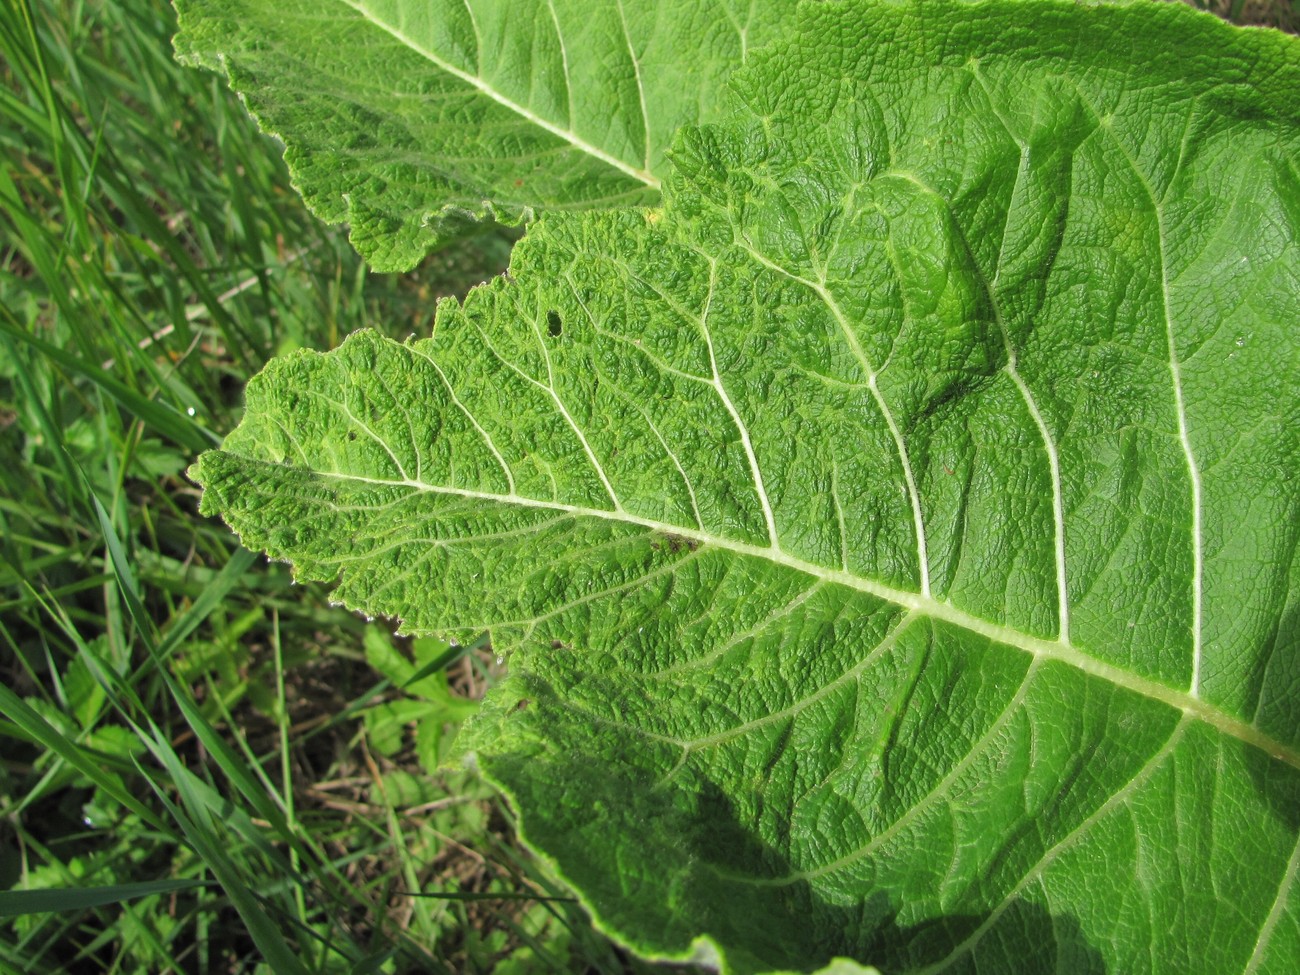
(640, 86)
(742, 30)
(589, 597)
(290, 438)
(548, 388)
(735, 639)
(804, 702)
(357, 421)
(1275, 912)
(925, 605)
(634, 404)
(668, 451)
(1012, 370)
(397, 543)
(1194, 474)
(1070, 839)
(1193, 469)
(900, 444)
(406, 573)
(1058, 506)
(631, 344)
(915, 809)
(505, 468)
(708, 608)
(1180, 409)
(568, 135)
(410, 426)
(564, 60)
(721, 390)
(568, 418)
(478, 34)
(839, 515)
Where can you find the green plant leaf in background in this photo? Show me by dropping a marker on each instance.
(896, 534)
(410, 119)
(430, 708)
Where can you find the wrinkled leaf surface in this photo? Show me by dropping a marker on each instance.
(896, 534)
(411, 119)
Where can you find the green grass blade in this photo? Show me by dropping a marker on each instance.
(17, 902)
(161, 417)
(209, 599)
(39, 730)
(198, 830)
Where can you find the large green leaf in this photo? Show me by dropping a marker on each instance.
(409, 119)
(896, 534)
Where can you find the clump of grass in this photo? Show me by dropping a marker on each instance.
(202, 767)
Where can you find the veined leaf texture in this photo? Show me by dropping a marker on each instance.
(412, 119)
(894, 534)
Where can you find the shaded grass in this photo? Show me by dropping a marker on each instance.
(199, 763)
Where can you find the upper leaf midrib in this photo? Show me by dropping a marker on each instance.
(941, 610)
(479, 84)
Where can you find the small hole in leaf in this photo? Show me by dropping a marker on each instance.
(553, 324)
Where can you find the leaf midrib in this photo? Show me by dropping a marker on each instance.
(479, 84)
(1055, 650)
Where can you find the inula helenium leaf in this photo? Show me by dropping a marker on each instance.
(410, 118)
(896, 534)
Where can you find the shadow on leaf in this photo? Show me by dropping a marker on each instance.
(660, 865)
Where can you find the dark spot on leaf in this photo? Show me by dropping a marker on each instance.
(559, 645)
(522, 704)
(553, 324)
(676, 543)
(352, 435)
